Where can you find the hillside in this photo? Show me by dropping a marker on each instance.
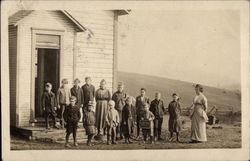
(223, 99)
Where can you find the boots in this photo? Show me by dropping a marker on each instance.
(129, 141)
(126, 140)
(75, 143)
(108, 140)
(151, 139)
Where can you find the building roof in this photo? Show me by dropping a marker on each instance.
(122, 12)
(15, 18)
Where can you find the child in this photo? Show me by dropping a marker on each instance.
(174, 123)
(149, 116)
(71, 116)
(49, 104)
(89, 122)
(76, 91)
(128, 113)
(63, 95)
(157, 108)
(88, 91)
(140, 101)
(112, 120)
(119, 97)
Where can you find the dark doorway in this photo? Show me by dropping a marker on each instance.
(47, 70)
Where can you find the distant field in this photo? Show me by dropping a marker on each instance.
(223, 99)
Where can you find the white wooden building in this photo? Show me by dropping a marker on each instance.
(46, 46)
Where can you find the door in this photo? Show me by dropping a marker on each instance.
(47, 70)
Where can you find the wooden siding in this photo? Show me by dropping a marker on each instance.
(45, 20)
(95, 51)
(12, 70)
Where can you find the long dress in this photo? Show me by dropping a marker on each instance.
(102, 98)
(199, 118)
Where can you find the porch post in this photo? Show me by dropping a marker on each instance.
(32, 92)
(115, 50)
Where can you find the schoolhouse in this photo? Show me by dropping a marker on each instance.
(49, 45)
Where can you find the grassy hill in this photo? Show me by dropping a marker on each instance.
(223, 99)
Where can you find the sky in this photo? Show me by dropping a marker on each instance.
(195, 46)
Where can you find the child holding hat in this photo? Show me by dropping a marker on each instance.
(89, 122)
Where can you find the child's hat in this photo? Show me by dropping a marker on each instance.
(91, 103)
(48, 84)
(64, 81)
(72, 98)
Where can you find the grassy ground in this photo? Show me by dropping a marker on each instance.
(226, 136)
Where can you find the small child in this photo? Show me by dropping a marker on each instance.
(89, 123)
(63, 95)
(174, 122)
(49, 105)
(149, 116)
(71, 116)
(112, 121)
(128, 117)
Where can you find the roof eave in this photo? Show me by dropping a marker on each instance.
(78, 24)
(122, 12)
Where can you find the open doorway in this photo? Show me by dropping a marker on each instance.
(47, 70)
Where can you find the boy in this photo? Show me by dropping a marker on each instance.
(128, 113)
(140, 101)
(157, 108)
(71, 116)
(88, 91)
(149, 130)
(174, 122)
(76, 91)
(49, 105)
(89, 123)
(112, 120)
(119, 97)
(63, 95)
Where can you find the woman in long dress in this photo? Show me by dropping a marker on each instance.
(199, 116)
(103, 95)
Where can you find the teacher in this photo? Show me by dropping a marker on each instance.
(199, 116)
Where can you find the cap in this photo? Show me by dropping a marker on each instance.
(64, 81)
(91, 103)
(48, 84)
(72, 98)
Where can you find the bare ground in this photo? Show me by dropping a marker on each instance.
(222, 136)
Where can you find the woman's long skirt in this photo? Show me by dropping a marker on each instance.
(101, 112)
(198, 126)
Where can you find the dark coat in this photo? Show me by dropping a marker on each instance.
(49, 101)
(88, 93)
(71, 114)
(157, 108)
(119, 98)
(128, 117)
(78, 93)
(139, 105)
(174, 122)
(89, 122)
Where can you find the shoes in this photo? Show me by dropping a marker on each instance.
(171, 139)
(67, 145)
(160, 139)
(114, 142)
(130, 142)
(75, 144)
(108, 143)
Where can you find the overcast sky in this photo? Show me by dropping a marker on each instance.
(195, 46)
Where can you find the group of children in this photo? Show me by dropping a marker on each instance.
(120, 114)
